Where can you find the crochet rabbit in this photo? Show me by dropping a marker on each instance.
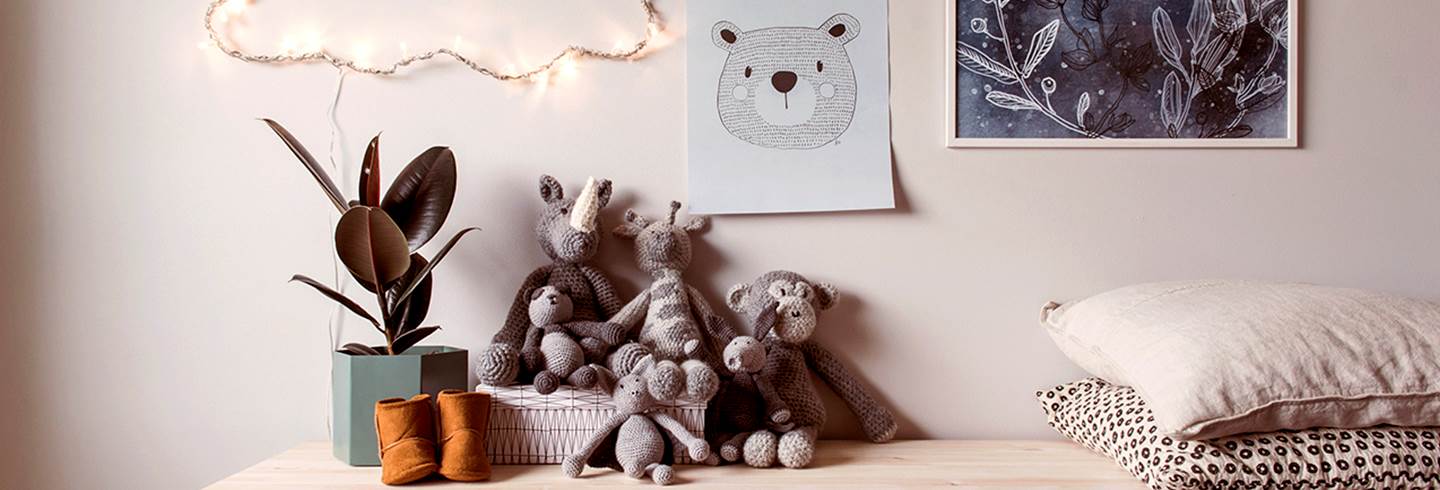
(550, 347)
(567, 232)
(639, 440)
(673, 312)
(783, 307)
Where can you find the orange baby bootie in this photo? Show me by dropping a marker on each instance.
(406, 431)
(464, 416)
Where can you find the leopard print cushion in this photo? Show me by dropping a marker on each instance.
(1114, 421)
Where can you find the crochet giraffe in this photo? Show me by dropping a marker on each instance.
(673, 312)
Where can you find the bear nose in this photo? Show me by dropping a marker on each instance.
(784, 81)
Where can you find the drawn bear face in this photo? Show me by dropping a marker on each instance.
(787, 87)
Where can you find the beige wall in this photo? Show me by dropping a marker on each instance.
(151, 339)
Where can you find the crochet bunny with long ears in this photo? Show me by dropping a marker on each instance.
(679, 325)
(783, 307)
(639, 440)
(568, 233)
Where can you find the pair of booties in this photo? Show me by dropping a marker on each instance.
(406, 430)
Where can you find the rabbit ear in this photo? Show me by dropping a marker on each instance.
(605, 379)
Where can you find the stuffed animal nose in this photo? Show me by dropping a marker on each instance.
(784, 81)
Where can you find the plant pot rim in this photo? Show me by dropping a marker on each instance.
(418, 350)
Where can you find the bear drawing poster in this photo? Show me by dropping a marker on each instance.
(788, 106)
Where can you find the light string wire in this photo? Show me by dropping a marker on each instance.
(653, 26)
(337, 317)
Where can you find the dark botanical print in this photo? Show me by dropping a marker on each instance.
(1122, 69)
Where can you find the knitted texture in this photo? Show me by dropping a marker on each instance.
(568, 247)
(639, 438)
(673, 313)
(551, 350)
(789, 305)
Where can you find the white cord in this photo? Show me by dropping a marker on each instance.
(337, 318)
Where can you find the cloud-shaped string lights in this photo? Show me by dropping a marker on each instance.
(221, 11)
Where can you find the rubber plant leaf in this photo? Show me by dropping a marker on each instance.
(370, 174)
(425, 272)
(412, 312)
(409, 339)
(337, 297)
(311, 164)
(358, 349)
(420, 198)
(371, 246)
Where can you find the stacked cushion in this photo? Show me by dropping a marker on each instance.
(1217, 358)
(1116, 421)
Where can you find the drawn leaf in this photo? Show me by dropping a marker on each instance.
(974, 60)
(1165, 38)
(1078, 59)
(1082, 107)
(1170, 102)
(1040, 45)
(1199, 25)
(1010, 101)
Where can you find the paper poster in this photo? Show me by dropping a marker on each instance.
(788, 106)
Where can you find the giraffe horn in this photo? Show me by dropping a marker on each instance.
(674, 208)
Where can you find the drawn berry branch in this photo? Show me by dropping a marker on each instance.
(1217, 31)
(1015, 72)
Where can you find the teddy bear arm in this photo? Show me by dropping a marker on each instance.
(876, 420)
(530, 353)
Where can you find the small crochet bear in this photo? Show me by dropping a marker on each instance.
(551, 351)
(673, 312)
(639, 440)
(783, 307)
(746, 408)
(568, 232)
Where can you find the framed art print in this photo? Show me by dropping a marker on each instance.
(1131, 73)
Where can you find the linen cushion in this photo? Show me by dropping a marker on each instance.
(1215, 358)
(1114, 421)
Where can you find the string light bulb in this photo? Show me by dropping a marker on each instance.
(220, 11)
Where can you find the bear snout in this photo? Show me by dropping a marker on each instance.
(784, 81)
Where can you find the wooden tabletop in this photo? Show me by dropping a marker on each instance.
(837, 463)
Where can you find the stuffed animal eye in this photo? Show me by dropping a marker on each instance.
(747, 72)
(564, 210)
(819, 66)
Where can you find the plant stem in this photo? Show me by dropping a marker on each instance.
(1024, 84)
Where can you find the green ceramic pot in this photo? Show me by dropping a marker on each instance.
(360, 381)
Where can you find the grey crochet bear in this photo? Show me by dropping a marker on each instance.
(783, 307)
(639, 440)
(673, 312)
(551, 350)
(567, 232)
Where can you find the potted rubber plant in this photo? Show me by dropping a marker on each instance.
(378, 238)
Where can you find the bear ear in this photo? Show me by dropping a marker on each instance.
(534, 293)
(550, 189)
(843, 27)
(725, 34)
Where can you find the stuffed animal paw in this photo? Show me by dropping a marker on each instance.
(572, 466)
(498, 365)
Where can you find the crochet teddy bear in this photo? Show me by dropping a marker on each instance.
(550, 347)
(783, 306)
(639, 440)
(673, 312)
(567, 232)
